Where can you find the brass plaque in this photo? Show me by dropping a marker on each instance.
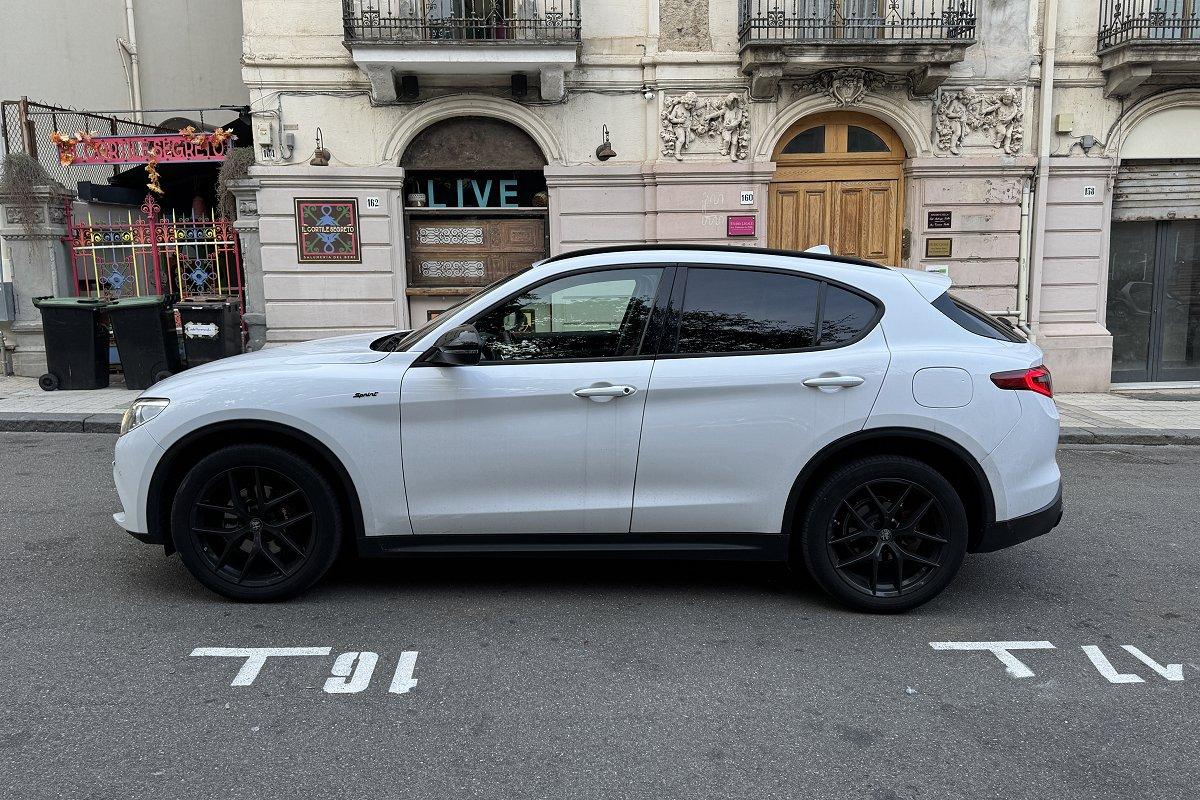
(939, 248)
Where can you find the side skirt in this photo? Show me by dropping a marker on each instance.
(705, 546)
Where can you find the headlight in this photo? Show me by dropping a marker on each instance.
(142, 410)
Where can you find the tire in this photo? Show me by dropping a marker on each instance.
(48, 382)
(162, 375)
(884, 534)
(272, 539)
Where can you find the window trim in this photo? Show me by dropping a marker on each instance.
(668, 349)
(646, 348)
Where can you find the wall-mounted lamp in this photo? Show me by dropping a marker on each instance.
(320, 156)
(604, 152)
(648, 92)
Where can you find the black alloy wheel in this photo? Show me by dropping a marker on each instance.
(254, 526)
(888, 537)
(254, 522)
(884, 534)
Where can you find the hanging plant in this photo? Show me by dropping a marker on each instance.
(66, 145)
(21, 176)
(235, 167)
(213, 140)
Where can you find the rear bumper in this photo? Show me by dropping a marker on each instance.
(1006, 533)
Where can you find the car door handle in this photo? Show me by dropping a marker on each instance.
(604, 391)
(835, 381)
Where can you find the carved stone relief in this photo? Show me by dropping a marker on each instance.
(705, 125)
(997, 116)
(847, 87)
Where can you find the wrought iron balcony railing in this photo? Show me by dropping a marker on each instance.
(1156, 21)
(782, 21)
(458, 21)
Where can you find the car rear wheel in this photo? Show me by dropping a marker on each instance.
(884, 534)
(255, 522)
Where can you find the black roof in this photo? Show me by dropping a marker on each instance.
(712, 248)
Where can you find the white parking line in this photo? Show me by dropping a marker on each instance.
(1018, 669)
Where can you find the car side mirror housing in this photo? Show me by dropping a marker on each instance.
(457, 347)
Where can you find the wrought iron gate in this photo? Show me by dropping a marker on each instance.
(181, 255)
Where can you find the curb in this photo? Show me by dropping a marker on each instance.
(59, 423)
(1146, 436)
(11, 421)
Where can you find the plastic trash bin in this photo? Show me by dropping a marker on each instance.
(76, 342)
(212, 329)
(144, 328)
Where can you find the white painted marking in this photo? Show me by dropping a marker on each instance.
(359, 675)
(256, 657)
(403, 680)
(1172, 672)
(1105, 667)
(1015, 667)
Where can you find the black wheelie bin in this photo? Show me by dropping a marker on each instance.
(76, 342)
(144, 328)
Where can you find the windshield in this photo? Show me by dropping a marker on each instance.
(402, 340)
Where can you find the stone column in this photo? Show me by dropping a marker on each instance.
(40, 265)
(246, 193)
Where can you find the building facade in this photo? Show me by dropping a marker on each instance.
(461, 139)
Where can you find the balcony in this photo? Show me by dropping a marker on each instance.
(920, 39)
(389, 39)
(1154, 42)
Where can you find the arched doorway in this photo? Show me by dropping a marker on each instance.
(475, 208)
(839, 183)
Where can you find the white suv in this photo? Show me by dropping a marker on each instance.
(644, 401)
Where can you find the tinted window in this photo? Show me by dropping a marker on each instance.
(730, 311)
(809, 141)
(861, 140)
(972, 319)
(592, 315)
(844, 316)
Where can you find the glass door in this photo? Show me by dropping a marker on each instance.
(1154, 301)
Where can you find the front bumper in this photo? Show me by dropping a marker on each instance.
(1006, 533)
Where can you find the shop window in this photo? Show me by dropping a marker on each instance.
(732, 311)
(593, 315)
(807, 142)
(861, 140)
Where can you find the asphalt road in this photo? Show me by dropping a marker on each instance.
(599, 680)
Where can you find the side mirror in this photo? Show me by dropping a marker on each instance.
(457, 347)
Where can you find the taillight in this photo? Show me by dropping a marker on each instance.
(1034, 379)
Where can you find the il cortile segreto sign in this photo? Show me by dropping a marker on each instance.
(172, 147)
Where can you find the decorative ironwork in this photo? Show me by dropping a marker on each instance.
(154, 254)
(452, 269)
(520, 22)
(855, 20)
(1157, 21)
(452, 235)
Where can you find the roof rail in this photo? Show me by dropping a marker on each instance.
(709, 248)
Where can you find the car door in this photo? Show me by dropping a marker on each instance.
(541, 436)
(759, 370)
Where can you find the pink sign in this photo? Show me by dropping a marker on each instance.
(172, 148)
(740, 225)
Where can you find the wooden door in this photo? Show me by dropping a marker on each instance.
(838, 182)
(854, 218)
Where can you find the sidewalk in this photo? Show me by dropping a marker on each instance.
(1134, 417)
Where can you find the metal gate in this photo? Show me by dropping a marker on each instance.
(153, 253)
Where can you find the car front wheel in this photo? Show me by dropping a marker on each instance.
(255, 522)
(884, 534)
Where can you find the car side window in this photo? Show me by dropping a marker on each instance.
(735, 311)
(589, 315)
(844, 316)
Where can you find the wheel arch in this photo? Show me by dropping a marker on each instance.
(946, 456)
(179, 458)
